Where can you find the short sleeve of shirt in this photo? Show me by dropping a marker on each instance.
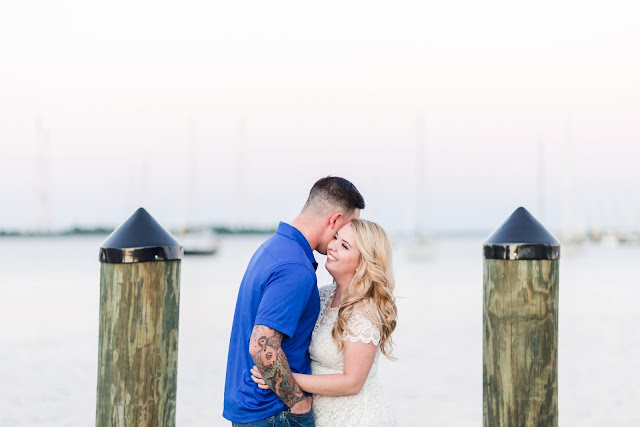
(285, 297)
(361, 328)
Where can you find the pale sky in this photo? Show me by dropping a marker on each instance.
(293, 91)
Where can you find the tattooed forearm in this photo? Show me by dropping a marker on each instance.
(272, 363)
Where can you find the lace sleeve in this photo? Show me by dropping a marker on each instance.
(325, 296)
(361, 328)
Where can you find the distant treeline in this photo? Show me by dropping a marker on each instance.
(81, 231)
(247, 230)
(75, 231)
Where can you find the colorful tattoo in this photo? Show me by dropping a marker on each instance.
(273, 365)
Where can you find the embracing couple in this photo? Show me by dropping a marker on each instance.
(299, 356)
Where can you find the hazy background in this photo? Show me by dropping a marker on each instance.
(446, 115)
(182, 106)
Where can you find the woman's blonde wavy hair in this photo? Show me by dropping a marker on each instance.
(372, 286)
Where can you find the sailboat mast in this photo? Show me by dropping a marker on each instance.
(42, 167)
(238, 196)
(567, 220)
(420, 167)
(191, 176)
(541, 179)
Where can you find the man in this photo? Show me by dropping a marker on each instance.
(277, 307)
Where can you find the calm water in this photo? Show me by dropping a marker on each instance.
(49, 334)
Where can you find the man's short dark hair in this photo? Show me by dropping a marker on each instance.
(337, 192)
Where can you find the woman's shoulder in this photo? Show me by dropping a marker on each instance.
(367, 308)
(364, 323)
(326, 292)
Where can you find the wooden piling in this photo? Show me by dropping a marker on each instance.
(139, 313)
(520, 322)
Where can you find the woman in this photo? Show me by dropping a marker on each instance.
(357, 316)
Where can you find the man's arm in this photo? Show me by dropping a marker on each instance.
(266, 351)
(358, 359)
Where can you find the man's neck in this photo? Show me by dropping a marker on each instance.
(308, 226)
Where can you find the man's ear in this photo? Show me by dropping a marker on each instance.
(334, 220)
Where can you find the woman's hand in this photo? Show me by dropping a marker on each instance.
(257, 378)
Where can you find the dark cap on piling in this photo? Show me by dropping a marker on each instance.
(140, 239)
(521, 237)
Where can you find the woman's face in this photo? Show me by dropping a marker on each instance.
(343, 255)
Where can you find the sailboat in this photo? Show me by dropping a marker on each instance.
(573, 234)
(202, 241)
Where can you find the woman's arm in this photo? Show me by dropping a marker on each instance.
(358, 359)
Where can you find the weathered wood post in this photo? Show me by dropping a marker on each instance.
(520, 320)
(139, 307)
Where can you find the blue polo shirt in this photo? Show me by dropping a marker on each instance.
(279, 290)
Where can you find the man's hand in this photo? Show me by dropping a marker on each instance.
(265, 349)
(302, 407)
(299, 408)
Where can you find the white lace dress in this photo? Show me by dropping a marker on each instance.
(369, 407)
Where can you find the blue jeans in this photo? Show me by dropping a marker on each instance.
(283, 419)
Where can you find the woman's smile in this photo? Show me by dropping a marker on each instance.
(343, 255)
